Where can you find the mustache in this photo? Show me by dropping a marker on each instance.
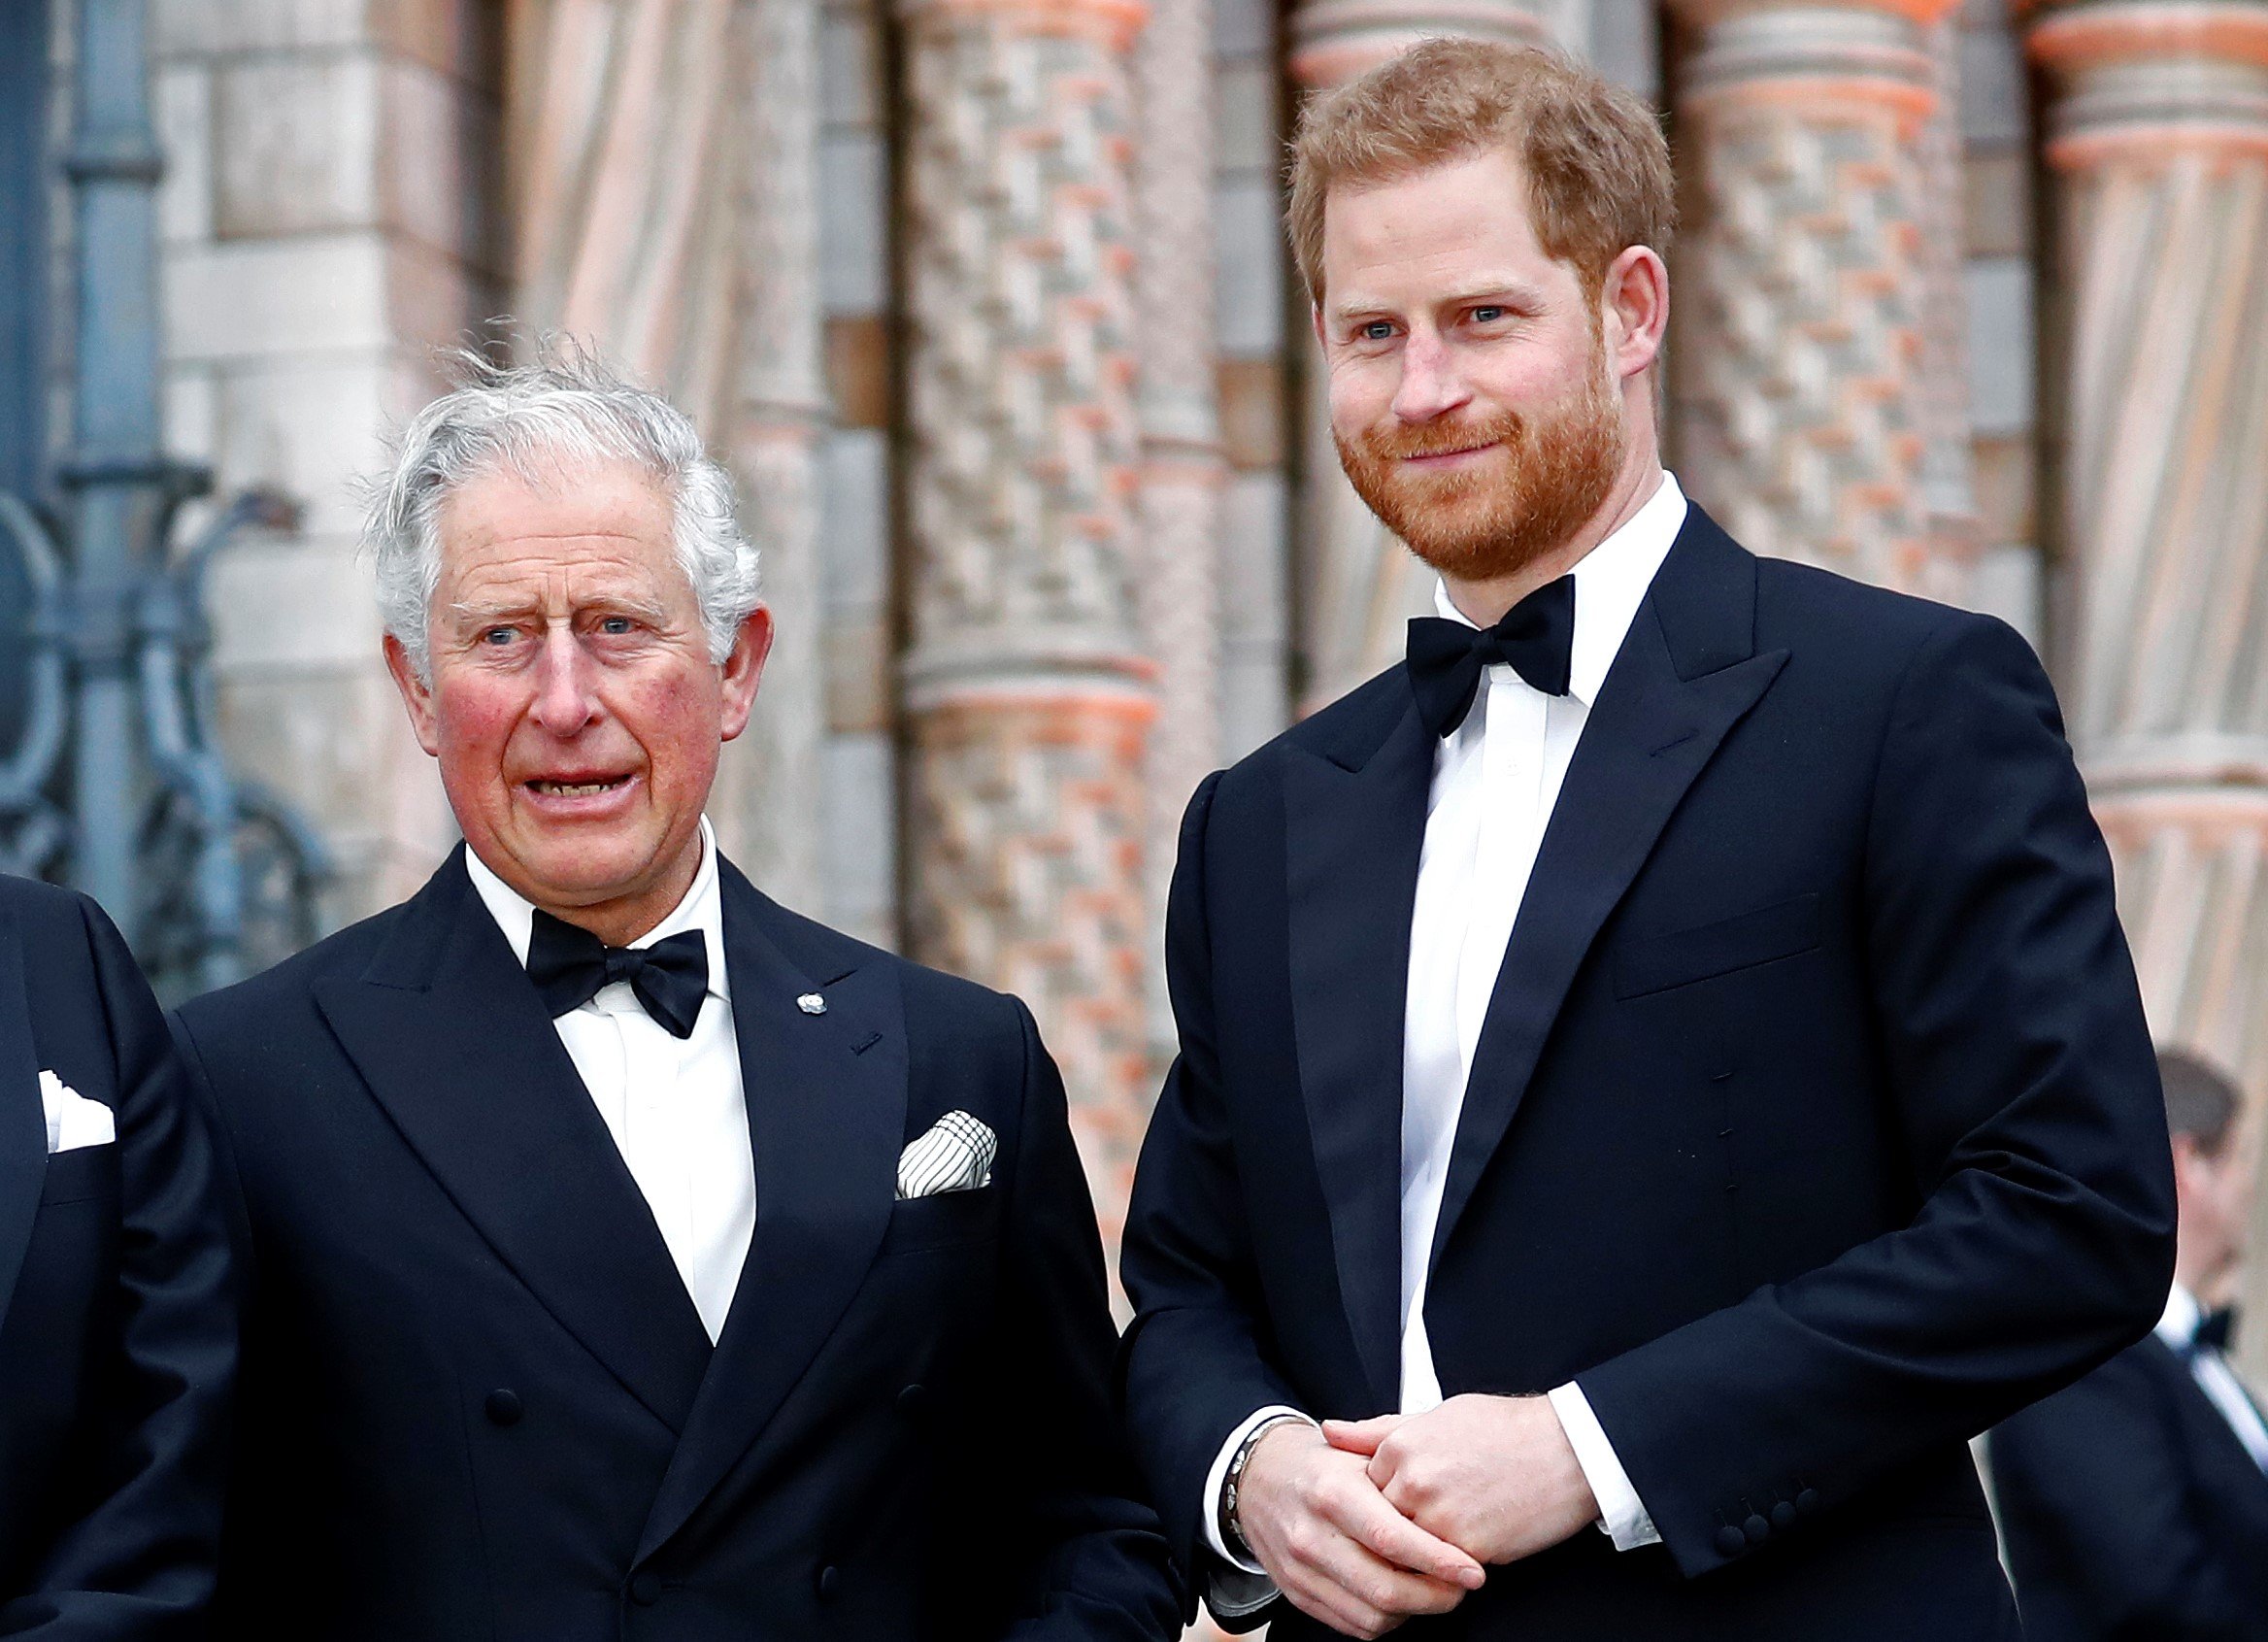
(1401, 442)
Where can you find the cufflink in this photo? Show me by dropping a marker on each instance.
(811, 1003)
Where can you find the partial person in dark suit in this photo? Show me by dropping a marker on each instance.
(117, 1324)
(631, 1258)
(2135, 1503)
(1663, 1058)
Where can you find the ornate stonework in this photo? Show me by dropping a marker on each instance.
(2157, 140)
(1801, 356)
(1026, 686)
(1182, 465)
(1335, 41)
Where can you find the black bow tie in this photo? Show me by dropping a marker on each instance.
(2214, 1330)
(1446, 657)
(570, 964)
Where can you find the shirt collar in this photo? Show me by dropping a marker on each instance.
(1610, 585)
(2178, 1327)
(702, 909)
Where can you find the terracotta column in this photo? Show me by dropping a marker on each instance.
(1028, 696)
(2157, 143)
(1806, 408)
(1183, 468)
(662, 169)
(1358, 586)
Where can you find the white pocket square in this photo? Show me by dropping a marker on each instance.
(73, 1119)
(955, 1156)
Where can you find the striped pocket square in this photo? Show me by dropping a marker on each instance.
(955, 1156)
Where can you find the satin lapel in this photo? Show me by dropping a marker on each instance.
(453, 1043)
(23, 1129)
(1684, 676)
(1355, 822)
(826, 1101)
(2222, 1465)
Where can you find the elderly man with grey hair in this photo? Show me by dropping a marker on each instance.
(630, 1256)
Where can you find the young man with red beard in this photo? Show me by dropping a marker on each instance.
(1660, 1069)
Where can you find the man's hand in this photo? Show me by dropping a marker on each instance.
(1494, 1476)
(1333, 1546)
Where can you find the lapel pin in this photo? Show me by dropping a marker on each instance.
(811, 1003)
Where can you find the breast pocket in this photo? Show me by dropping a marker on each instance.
(942, 1220)
(1656, 964)
(85, 1174)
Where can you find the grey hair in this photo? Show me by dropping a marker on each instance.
(563, 409)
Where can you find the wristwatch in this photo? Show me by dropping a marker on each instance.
(1231, 1534)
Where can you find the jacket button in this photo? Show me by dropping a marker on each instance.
(504, 1407)
(1784, 1516)
(914, 1401)
(1730, 1541)
(1808, 1501)
(1758, 1529)
(646, 1588)
(829, 1581)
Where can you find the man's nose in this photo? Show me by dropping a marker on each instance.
(565, 701)
(1431, 384)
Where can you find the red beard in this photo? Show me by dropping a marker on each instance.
(1502, 513)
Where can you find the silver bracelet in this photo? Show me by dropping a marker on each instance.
(1232, 1534)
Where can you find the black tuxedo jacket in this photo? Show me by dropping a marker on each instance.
(1813, 1126)
(479, 1403)
(118, 1326)
(2132, 1512)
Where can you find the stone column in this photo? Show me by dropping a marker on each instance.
(774, 414)
(1949, 489)
(1359, 585)
(1806, 277)
(663, 172)
(1183, 467)
(2158, 145)
(1027, 693)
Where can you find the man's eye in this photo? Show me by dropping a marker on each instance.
(1378, 331)
(1487, 316)
(498, 637)
(616, 626)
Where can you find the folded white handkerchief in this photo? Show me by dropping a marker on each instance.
(73, 1119)
(955, 1156)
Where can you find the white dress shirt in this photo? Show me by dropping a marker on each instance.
(1495, 782)
(2178, 1329)
(675, 1106)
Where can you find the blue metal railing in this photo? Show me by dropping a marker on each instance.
(116, 780)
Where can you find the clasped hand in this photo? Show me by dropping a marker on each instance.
(1367, 1522)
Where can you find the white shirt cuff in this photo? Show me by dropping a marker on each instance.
(1216, 1478)
(1623, 1516)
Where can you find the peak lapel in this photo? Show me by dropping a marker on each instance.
(826, 1101)
(1686, 675)
(23, 1129)
(455, 1046)
(1355, 823)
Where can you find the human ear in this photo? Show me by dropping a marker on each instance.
(744, 668)
(417, 696)
(1635, 301)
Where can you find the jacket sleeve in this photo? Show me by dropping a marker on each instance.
(2094, 1497)
(139, 1566)
(2021, 1078)
(1192, 1367)
(1100, 1570)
